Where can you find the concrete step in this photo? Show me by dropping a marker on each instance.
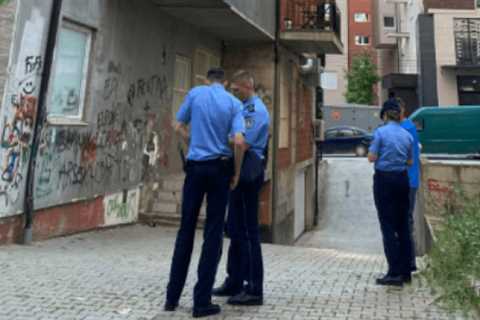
(166, 207)
(154, 219)
(172, 183)
(169, 196)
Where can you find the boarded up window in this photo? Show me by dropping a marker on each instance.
(204, 60)
(183, 76)
(70, 72)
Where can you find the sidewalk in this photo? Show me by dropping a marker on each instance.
(122, 274)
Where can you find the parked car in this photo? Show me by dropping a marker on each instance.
(346, 139)
(448, 130)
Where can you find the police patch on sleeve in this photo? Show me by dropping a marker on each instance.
(249, 123)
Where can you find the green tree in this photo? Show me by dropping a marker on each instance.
(361, 79)
(3, 2)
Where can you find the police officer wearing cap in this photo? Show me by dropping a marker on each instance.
(245, 263)
(212, 114)
(392, 153)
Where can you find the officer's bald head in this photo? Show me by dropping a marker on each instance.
(243, 85)
(245, 78)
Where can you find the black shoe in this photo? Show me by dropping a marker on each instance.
(245, 299)
(209, 310)
(407, 278)
(225, 291)
(389, 280)
(170, 306)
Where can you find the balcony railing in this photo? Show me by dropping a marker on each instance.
(467, 42)
(312, 15)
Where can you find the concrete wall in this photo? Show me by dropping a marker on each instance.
(19, 100)
(337, 64)
(259, 12)
(383, 9)
(445, 52)
(408, 23)
(128, 106)
(440, 180)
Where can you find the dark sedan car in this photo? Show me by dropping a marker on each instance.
(346, 139)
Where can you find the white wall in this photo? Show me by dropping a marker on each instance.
(337, 64)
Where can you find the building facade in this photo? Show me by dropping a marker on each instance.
(107, 154)
(433, 46)
(358, 37)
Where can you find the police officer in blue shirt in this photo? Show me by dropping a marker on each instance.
(245, 261)
(392, 152)
(212, 114)
(413, 174)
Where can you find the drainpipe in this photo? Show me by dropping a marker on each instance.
(41, 119)
(276, 121)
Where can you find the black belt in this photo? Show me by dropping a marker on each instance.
(220, 160)
(391, 173)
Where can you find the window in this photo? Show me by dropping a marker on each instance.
(345, 133)
(362, 40)
(284, 134)
(361, 17)
(183, 81)
(389, 22)
(204, 60)
(329, 134)
(70, 72)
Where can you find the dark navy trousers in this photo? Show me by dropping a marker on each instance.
(391, 193)
(245, 262)
(210, 178)
(411, 224)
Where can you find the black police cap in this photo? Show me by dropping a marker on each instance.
(390, 105)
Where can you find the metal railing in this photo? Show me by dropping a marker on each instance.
(467, 41)
(312, 15)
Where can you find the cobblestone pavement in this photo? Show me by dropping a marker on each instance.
(122, 274)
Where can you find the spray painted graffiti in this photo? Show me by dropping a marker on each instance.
(121, 207)
(155, 86)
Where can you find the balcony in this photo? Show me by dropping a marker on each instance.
(234, 21)
(311, 26)
(467, 35)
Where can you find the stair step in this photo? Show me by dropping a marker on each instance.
(169, 196)
(167, 207)
(166, 219)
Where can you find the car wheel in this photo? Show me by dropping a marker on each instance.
(361, 151)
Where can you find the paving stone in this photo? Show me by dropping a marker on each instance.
(121, 274)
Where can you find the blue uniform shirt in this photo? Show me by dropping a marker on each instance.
(212, 113)
(414, 170)
(257, 122)
(393, 146)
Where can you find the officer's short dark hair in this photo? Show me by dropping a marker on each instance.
(243, 75)
(392, 115)
(216, 74)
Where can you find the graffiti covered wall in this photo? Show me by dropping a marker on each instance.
(19, 104)
(125, 137)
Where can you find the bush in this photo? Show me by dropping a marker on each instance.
(453, 266)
